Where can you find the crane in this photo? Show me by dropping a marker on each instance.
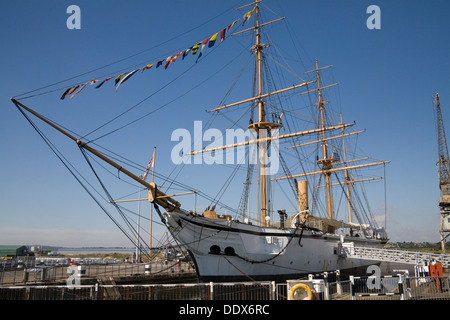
(444, 175)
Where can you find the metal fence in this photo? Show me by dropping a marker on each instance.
(361, 288)
(400, 288)
(20, 279)
(206, 291)
(55, 271)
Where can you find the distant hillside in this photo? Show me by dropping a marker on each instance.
(418, 246)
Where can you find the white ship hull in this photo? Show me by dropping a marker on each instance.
(226, 250)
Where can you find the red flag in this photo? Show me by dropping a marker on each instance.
(69, 91)
(150, 164)
(167, 62)
(176, 57)
(101, 83)
(82, 87)
(147, 67)
(203, 47)
(229, 27)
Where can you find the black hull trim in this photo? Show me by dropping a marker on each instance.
(256, 233)
(296, 234)
(276, 278)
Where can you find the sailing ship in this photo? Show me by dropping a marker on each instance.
(232, 248)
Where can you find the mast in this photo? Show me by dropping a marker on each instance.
(261, 127)
(266, 129)
(261, 119)
(326, 162)
(151, 207)
(347, 178)
(138, 247)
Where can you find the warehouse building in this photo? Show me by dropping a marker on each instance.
(13, 251)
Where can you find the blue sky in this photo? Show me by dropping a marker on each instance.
(387, 78)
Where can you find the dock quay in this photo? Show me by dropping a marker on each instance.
(395, 275)
(396, 287)
(400, 285)
(56, 271)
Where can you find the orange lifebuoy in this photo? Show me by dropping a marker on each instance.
(302, 290)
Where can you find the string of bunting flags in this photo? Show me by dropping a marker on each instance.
(199, 46)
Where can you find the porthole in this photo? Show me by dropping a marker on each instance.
(214, 249)
(229, 251)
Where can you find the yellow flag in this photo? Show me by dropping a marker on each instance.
(147, 67)
(212, 41)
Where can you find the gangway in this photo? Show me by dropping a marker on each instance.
(348, 250)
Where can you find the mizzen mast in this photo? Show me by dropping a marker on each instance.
(328, 164)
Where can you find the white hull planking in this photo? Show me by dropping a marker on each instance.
(260, 253)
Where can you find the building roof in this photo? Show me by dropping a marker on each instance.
(12, 250)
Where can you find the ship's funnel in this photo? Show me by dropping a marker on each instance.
(302, 187)
(302, 195)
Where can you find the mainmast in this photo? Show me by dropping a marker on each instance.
(265, 130)
(261, 127)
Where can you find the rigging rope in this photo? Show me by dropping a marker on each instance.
(297, 225)
(152, 94)
(66, 164)
(121, 59)
(111, 200)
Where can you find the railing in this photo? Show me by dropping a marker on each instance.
(399, 256)
(202, 291)
(358, 288)
(97, 282)
(55, 271)
(400, 288)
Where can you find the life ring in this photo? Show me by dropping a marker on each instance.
(303, 289)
